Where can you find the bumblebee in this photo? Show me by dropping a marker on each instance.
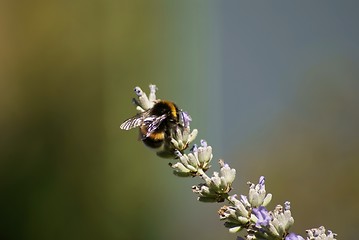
(156, 126)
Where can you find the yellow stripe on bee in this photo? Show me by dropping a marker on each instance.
(173, 109)
(157, 136)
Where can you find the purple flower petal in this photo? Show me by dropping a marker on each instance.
(186, 119)
(293, 236)
(263, 216)
(261, 181)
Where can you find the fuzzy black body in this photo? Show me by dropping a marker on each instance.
(165, 107)
(160, 138)
(156, 126)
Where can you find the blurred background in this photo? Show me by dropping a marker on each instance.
(272, 86)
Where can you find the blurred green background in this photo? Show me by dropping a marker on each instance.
(272, 86)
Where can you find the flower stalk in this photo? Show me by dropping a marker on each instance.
(246, 214)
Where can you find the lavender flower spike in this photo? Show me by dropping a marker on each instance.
(247, 213)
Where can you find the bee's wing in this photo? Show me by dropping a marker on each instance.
(153, 122)
(133, 122)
